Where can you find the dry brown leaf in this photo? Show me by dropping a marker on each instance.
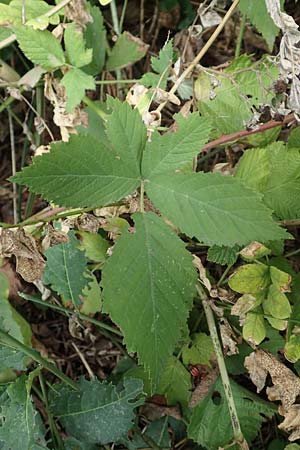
(30, 263)
(76, 11)
(202, 389)
(153, 411)
(53, 237)
(286, 385)
(67, 122)
(291, 422)
(229, 339)
(87, 222)
(202, 272)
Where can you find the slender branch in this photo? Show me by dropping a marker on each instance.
(50, 13)
(142, 192)
(202, 52)
(114, 16)
(240, 37)
(13, 164)
(10, 341)
(123, 15)
(226, 138)
(237, 432)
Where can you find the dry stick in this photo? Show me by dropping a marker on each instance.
(50, 13)
(202, 52)
(237, 432)
(226, 138)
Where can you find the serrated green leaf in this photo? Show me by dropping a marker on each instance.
(259, 16)
(277, 304)
(223, 255)
(254, 329)
(41, 47)
(199, 351)
(210, 424)
(274, 171)
(127, 50)
(80, 173)
(152, 306)
(292, 349)
(65, 269)
(77, 54)
(95, 37)
(170, 152)
(76, 82)
(21, 426)
(213, 208)
(125, 128)
(176, 383)
(161, 64)
(98, 413)
(250, 278)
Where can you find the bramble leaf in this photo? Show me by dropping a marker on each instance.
(172, 151)
(176, 383)
(200, 351)
(152, 306)
(210, 424)
(259, 16)
(65, 270)
(98, 413)
(213, 208)
(80, 173)
(274, 171)
(95, 37)
(127, 50)
(41, 47)
(223, 255)
(161, 64)
(76, 82)
(77, 54)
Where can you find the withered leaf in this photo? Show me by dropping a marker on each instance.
(29, 261)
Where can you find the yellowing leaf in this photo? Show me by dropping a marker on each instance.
(292, 348)
(250, 278)
(254, 329)
(104, 2)
(277, 304)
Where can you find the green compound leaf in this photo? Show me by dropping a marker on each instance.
(176, 383)
(77, 54)
(213, 208)
(274, 171)
(254, 329)
(172, 151)
(210, 424)
(259, 16)
(151, 306)
(76, 82)
(223, 255)
(21, 426)
(41, 47)
(125, 128)
(65, 270)
(277, 304)
(127, 50)
(161, 64)
(98, 413)
(80, 173)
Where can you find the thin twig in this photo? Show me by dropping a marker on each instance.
(84, 362)
(13, 164)
(202, 52)
(142, 19)
(226, 138)
(240, 36)
(237, 432)
(114, 16)
(123, 15)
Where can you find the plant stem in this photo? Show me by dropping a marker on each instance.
(224, 274)
(13, 165)
(114, 16)
(116, 82)
(68, 312)
(202, 52)
(10, 341)
(240, 37)
(123, 15)
(237, 432)
(226, 138)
